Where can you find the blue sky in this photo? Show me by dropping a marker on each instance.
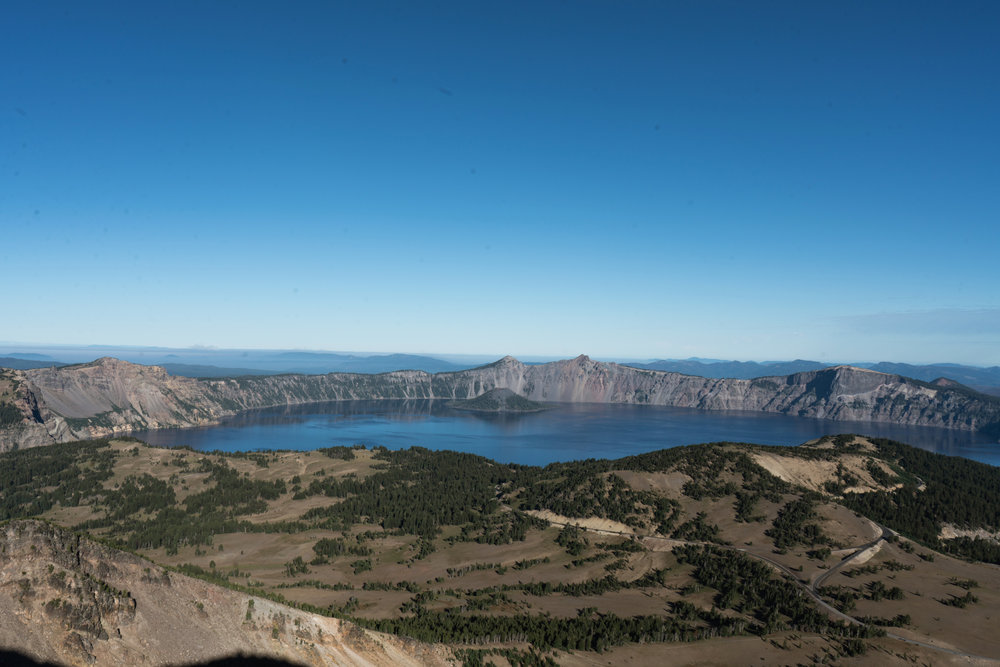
(643, 180)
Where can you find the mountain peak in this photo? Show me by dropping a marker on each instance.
(846, 368)
(115, 365)
(110, 362)
(507, 361)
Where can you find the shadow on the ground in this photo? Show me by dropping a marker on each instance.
(10, 658)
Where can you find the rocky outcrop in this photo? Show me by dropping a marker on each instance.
(110, 396)
(840, 393)
(102, 398)
(67, 600)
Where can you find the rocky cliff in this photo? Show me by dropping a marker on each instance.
(67, 600)
(110, 396)
(101, 398)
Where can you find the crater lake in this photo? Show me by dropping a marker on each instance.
(566, 431)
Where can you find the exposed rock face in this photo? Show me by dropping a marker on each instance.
(102, 398)
(841, 393)
(110, 396)
(67, 600)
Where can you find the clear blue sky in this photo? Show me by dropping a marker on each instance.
(666, 179)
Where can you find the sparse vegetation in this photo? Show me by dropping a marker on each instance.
(368, 516)
(959, 601)
(795, 524)
(10, 414)
(936, 490)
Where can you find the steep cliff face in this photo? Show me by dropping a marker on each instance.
(110, 396)
(245, 393)
(106, 397)
(67, 600)
(841, 393)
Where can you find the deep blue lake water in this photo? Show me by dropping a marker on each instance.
(564, 433)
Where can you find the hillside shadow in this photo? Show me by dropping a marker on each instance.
(10, 658)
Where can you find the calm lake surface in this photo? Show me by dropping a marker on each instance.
(568, 431)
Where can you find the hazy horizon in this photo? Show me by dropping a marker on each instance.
(635, 181)
(77, 353)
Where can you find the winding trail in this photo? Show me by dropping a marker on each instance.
(812, 589)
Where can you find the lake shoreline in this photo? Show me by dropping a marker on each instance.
(564, 432)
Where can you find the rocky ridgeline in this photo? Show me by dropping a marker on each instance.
(109, 396)
(67, 600)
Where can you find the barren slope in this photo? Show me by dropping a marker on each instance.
(72, 601)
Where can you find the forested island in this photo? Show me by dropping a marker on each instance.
(499, 401)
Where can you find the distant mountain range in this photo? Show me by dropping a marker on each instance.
(318, 364)
(328, 362)
(743, 370)
(226, 363)
(110, 396)
(21, 364)
(235, 363)
(981, 379)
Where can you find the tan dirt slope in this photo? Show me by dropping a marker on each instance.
(68, 600)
